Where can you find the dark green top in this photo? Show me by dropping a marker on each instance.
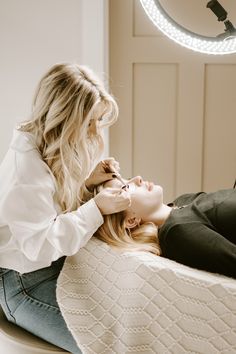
(202, 234)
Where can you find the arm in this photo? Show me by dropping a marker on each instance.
(31, 221)
(39, 231)
(196, 245)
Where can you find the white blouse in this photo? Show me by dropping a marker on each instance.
(33, 230)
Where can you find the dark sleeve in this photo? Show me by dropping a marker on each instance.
(198, 246)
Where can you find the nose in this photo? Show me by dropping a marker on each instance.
(93, 127)
(136, 180)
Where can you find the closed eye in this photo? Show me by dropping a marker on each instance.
(131, 187)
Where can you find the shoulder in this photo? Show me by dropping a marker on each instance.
(180, 222)
(187, 198)
(22, 141)
(26, 161)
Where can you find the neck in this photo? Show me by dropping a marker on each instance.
(160, 216)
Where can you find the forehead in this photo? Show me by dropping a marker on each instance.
(98, 110)
(113, 183)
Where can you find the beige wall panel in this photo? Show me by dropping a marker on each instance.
(190, 111)
(219, 152)
(121, 131)
(154, 123)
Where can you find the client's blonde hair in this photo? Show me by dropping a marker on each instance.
(64, 106)
(143, 237)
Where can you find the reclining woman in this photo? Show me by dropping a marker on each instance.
(198, 229)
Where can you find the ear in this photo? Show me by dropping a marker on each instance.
(131, 222)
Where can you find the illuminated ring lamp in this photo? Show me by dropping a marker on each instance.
(224, 43)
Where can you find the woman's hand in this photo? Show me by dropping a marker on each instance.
(112, 200)
(104, 171)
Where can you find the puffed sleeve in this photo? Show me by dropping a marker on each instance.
(38, 228)
(38, 231)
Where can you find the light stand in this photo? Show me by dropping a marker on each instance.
(225, 43)
(221, 14)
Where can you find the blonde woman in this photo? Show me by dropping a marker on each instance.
(48, 167)
(198, 230)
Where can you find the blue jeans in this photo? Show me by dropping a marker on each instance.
(29, 301)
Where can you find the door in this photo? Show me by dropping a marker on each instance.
(177, 121)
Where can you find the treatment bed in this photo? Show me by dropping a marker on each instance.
(136, 302)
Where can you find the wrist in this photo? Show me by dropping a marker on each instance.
(89, 185)
(96, 201)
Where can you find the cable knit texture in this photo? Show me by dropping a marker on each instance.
(139, 303)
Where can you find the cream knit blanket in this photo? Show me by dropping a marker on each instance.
(140, 303)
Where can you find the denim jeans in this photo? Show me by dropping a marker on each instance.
(29, 301)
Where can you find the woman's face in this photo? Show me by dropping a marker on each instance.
(146, 197)
(94, 127)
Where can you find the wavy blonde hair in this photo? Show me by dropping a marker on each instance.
(66, 103)
(143, 237)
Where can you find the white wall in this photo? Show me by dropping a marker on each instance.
(35, 35)
(95, 43)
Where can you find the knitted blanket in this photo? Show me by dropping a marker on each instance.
(140, 303)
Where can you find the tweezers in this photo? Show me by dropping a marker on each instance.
(118, 176)
(121, 180)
